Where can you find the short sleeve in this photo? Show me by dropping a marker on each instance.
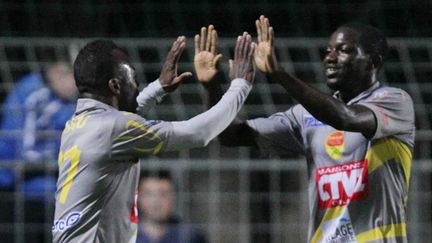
(133, 136)
(280, 132)
(394, 112)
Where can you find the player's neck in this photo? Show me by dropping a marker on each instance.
(354, 91)
(107, 100)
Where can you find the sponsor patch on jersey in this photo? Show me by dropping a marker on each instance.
(335, 144)
(340, 184)
(338, 230)
(134, 210)
(63, 224)
(310, 121)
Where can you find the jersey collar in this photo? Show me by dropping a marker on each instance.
(87, 104)
(360, 96)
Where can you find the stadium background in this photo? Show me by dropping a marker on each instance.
(235, 195)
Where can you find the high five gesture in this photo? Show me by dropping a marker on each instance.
(206, 58)
(242, 66)
(265, 58)
(169, 78)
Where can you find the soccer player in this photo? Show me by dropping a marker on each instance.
(358, 142)
(100, 146)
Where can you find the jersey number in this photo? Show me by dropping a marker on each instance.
(73, 155)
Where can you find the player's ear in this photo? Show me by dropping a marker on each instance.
(376, 61)
(114, 85)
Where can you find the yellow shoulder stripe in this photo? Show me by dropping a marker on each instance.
(150, 134)
(387, 231)
(385, 149)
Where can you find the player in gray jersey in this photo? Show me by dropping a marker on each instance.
(100, 146)
(358, 143)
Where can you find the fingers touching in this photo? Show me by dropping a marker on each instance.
(243, 46)
(206, 40)
(264, 30)
(242, 66)
(177, 49)
(168, 76)
(206, 56)
(265, 58)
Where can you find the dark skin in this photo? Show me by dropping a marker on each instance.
(348, 68)
(124, 86)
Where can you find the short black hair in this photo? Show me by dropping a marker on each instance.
(95, 65)
(370, 38)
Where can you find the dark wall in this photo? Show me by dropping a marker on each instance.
(138, 18)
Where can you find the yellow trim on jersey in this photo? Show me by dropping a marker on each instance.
(134, 235)
(385, 149)
(381, 151)
(134, 124)
(330, 214)
(76, 123)
(73, 155)
(153, 150)
(60, 159)
(387, 231)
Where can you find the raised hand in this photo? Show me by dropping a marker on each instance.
(168, 77)
(242, 65)
(206, 58)
(265, 58)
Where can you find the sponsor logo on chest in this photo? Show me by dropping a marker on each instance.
(340, 184)
(335, 144)
(71, 220)
(338, 230)
(310, 121)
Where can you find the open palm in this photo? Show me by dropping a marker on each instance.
(263, 56)
(206, 58)
(169, 77)
(265, 59)
(205, 65)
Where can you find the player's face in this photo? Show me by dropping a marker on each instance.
(129, 88)
(156, 198)
(346, 63)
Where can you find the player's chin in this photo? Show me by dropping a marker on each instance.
(333, 83)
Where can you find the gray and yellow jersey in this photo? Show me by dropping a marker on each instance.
(358, 187)
(98, 173)
(98, 163)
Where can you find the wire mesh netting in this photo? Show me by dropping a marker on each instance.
(230, 192)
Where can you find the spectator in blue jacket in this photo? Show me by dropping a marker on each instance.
(157, 221)
(34, 114)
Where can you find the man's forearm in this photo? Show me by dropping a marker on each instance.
(199, 130)
(149, 97)
(237, 133)
(214, 90)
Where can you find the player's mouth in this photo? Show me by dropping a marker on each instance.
(331, 71)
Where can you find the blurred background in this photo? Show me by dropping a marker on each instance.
(232, 194)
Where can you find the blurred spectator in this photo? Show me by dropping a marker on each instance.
(34, 114)
(157, 223)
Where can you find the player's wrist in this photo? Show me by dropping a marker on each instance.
(154, 90)
(212, 83)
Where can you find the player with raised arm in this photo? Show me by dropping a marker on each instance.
(101, 144)
(358, 142)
